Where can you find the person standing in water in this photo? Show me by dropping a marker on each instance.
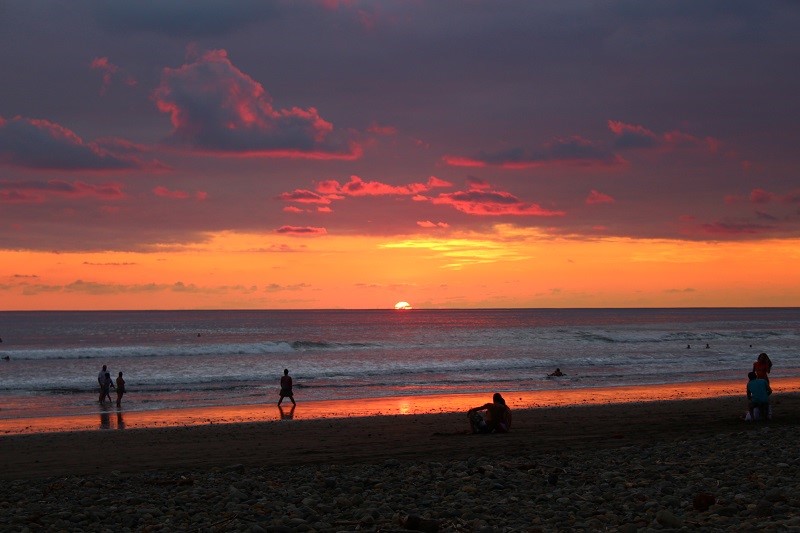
(120, 389)
(286, 387)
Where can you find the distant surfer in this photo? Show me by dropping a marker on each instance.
(286, 387)
(558, 373)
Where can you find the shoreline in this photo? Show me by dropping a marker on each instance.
(109, 417)
(593, 466)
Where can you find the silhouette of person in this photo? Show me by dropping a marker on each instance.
(557, 373)
(106, 387)
(286, 387)
(762, 366)
(120, 389)
(497, 417)
(101, 380)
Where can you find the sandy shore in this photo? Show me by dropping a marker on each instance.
(311, 460)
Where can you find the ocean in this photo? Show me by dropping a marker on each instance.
(173, 359)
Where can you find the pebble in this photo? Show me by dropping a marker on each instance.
(723, 482)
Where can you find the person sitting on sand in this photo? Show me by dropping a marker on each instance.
(557, 373)
(286, 387)
(758, 391)
(120, 389)
(497, 417)
(762, 366)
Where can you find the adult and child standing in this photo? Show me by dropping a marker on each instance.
(106, 384)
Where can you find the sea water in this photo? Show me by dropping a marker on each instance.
(173, 359)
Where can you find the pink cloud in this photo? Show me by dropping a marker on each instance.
(37, 143)
(429, 224)
(110, 72)
(358, 187)
(41, 191)
(760, 196)
(596, 197)
(484, 202)
(166, 193)
(573, 150)
(292, 209)
(304, 196)
(636, 136)
(216, 108)
(301, 230)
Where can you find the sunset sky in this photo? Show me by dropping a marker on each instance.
(344, 154)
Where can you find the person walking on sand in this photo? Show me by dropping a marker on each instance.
(286, 387)
(496, 420)
(120, 389)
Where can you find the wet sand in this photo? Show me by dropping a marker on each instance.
(413, 428)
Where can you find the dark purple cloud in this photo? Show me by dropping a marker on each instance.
(41, 144)
(217, 108)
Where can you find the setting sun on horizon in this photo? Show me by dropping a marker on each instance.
(195, 174)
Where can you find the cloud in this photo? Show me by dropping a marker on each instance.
(40, 191)
(632, 136)
(760, 196)
(164, 192)
(216, 108)
(734, 228)
(573, 150)
(481, 200)
(358, 187)
(301, 230)
(596, 197)
(304, 196)
(429, 224)
(110, 72)
(41, 144)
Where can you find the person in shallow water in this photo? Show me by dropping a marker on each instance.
(286, 387)
(557, 373)
(492, 417)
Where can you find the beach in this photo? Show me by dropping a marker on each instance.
(667, 464)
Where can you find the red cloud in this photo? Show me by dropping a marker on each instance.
(358, 187)
(429, 224)
(301, 230)
(596, 197)
(304, 196)
(485, 202)
(110, 71)
(760, 196)
(216, 108)
(35, 143)
(166, 193)
(573, 150)
(40, 191)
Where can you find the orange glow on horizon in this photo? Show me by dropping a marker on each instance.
(505, 267)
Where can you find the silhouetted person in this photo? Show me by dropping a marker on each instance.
(557, 373)
(286, 387)
(762, 366)
(120, 389)
(107, 386)
(497, 417)
(758, 391)
(101, 380)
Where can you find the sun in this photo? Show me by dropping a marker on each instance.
(402, 305)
